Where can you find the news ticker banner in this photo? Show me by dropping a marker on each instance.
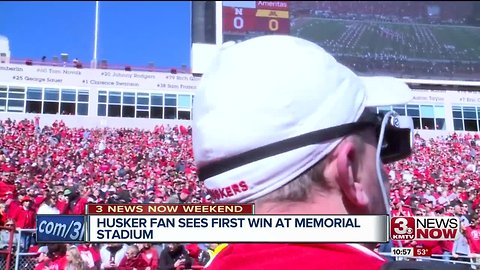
(236, 229)
(227, 223)
(233, 224)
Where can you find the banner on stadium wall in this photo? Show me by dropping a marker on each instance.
(65, 77)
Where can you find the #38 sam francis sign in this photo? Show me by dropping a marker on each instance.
(425, 228)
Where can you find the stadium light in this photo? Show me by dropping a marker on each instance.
(95, 42)
(64, 57)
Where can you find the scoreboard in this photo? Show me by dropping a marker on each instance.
(244, 19)
(353, 37)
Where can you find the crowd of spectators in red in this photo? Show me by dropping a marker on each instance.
(57, 170)
(66, 168)
(441, 178)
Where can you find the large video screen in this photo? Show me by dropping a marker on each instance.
(408, 39)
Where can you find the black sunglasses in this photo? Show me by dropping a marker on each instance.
(397, 143)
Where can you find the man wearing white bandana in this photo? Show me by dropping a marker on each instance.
(278, 122)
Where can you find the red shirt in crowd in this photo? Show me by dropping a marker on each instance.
(62, 206)
(137, 263)
(446, 245)
(78, 208)
(151, 257)
(13, 207)
(59, 263)
(296, 256)
(473, 236)
(24, 218)
(89, 254)
(4, 218)
(42, 265)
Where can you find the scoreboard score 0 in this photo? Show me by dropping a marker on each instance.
(255, 17)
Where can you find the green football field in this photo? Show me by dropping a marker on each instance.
(412, 41)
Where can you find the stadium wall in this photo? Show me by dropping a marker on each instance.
(95, 98)
(95, 122)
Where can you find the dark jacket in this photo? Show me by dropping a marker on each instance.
(168, 259)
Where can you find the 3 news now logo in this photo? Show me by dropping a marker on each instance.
(424, 228)
(60, 228)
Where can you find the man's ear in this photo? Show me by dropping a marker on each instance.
(348, 157)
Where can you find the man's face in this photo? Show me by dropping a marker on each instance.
(458, 210)
(131, 253)
(172, 247)
(420, 212)
(429, 204)
(183, 196)
(27, 204)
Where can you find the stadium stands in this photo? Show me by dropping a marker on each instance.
(59, 169)
(56, 165)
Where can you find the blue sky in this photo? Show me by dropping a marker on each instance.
(133, 33)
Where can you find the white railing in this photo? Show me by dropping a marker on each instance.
(19, 265)
(472, 262)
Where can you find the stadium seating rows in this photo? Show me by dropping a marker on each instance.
(131, 165)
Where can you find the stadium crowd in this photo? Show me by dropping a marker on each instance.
(58, 170)
(441, 179)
